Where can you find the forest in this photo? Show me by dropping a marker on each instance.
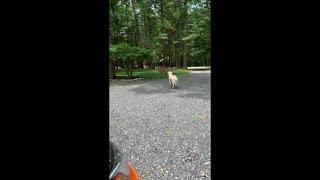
(150, 34)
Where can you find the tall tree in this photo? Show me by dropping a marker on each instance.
(185, 33)
(177, 31)
(137, 39)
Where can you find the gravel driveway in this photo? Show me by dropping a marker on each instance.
(164, 132)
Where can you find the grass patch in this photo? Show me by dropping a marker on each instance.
(151, 73)
(198, 117)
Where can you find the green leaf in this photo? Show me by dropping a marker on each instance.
(190, 37)
(198, 52)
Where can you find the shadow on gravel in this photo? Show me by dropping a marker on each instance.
(152, 87)
(124, 83)
(189, 86)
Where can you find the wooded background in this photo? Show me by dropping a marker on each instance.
(153, 33)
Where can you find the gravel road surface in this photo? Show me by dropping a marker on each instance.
(164, 132)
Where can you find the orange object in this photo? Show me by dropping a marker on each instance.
(133, 173)
(121, 176)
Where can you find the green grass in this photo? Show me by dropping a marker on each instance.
(197, 117)
(150, 73)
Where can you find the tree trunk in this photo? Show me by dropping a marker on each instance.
(185, 34)
(140, 64)
(130, 70)
(170, 53)
(112, 73)
(137, 23)
(205, 61)
(163, 42)
(128, 32)
(178, 50)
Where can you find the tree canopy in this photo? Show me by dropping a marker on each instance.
(171, 33)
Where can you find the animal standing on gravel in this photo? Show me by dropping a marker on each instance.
(172, 79)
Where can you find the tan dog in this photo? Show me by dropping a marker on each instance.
(172, 79)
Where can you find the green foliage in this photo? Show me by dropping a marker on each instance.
(126, 52)
(160, 32)
(199, 39)
(190, 37)
(163, 36)
(151, 73)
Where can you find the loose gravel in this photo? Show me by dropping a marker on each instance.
(164, 132)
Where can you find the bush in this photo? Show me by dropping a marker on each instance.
(128, 55)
